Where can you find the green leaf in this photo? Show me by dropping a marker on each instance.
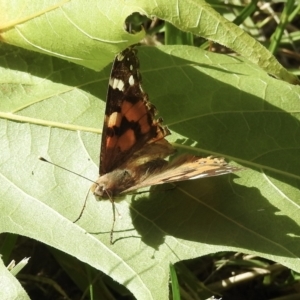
(86, 33)
(10, 287)
(89, 33)
(213, 104)
(199, 18)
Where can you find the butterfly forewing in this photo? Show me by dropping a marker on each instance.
(129, 121)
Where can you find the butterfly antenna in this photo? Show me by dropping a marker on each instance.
(51, 163)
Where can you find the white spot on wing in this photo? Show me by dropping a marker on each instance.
(216, 172)
(116, 84)
(131, 80)
(199, 176)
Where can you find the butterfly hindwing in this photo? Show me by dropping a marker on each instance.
(185, 167)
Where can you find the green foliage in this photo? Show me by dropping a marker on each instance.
(213, 104)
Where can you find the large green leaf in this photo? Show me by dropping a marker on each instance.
(199, 18)
(84, 32)
(212, 103)
(89, 32)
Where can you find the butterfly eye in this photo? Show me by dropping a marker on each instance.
(99, 190)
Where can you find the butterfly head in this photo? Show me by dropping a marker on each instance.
(112, 184)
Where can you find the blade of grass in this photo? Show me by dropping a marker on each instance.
(284, 20)
(174, 283)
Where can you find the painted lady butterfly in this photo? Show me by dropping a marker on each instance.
(133, 142)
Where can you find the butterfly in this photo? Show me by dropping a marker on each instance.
(133, 147)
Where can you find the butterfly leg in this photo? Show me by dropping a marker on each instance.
(114, 216)
(114, 209)
(113, 223)
(84, 205)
